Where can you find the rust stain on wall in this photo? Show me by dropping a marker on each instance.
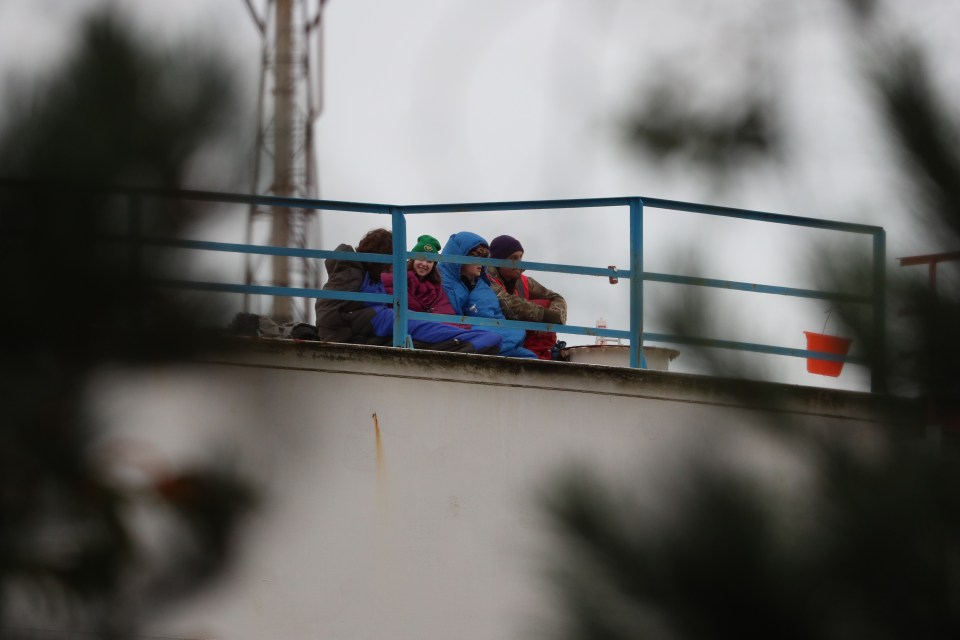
(376, 428)
(382, 502)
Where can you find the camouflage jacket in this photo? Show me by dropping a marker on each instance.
(517, 307)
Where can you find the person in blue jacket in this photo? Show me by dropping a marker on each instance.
(468, 288)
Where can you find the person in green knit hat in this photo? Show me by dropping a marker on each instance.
(424, 286)
(425, 269)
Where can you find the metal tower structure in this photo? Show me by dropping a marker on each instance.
(290, 101)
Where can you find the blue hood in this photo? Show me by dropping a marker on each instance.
(459, 244)
(481, 301)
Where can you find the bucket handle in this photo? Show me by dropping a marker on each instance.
(827, 319)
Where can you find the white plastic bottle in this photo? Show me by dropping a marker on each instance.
(601, 324)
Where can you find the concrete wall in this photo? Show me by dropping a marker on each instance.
(401, 488)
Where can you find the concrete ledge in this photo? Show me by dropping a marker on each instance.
(558, 376)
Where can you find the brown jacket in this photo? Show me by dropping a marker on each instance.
(345, 320)
(516, 307)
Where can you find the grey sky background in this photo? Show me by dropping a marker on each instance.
(432, 101)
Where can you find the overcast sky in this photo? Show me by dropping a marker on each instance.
(457, 101)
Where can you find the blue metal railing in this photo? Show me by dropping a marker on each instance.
(636, 205)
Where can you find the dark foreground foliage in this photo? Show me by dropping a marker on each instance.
(871, 547)
(72, 550)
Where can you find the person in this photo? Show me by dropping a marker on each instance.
(424, 287)
(358, 322)
(523, 298)
(468, 288)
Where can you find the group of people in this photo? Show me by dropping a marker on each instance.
(446, 288)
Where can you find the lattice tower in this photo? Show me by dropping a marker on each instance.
(290, 101)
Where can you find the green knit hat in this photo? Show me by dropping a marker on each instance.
(426, 244)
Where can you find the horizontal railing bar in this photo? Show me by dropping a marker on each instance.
(388, 299)
(208, 196)
(463, 207)
(604, 272)
(278, 201)
(607, 272)
(385, 298)
(532, 266)
(495, 322)
(267, 290)
(754, 287)
(762, 216)
(230, 247)
(517, 324)
(518, 264)
(752, 346)
(930, 258)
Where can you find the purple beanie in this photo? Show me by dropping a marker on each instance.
(502, 247)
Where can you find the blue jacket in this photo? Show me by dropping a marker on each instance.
(482, 301)
(428, 332)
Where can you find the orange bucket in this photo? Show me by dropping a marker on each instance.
(827, 344)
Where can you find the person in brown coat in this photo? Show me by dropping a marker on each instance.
(523, 298)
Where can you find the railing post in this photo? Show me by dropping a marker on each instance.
(399, 277)
(636, 284)
(878, 342)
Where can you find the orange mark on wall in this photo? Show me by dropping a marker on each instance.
(376, 428)
(382, 502)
